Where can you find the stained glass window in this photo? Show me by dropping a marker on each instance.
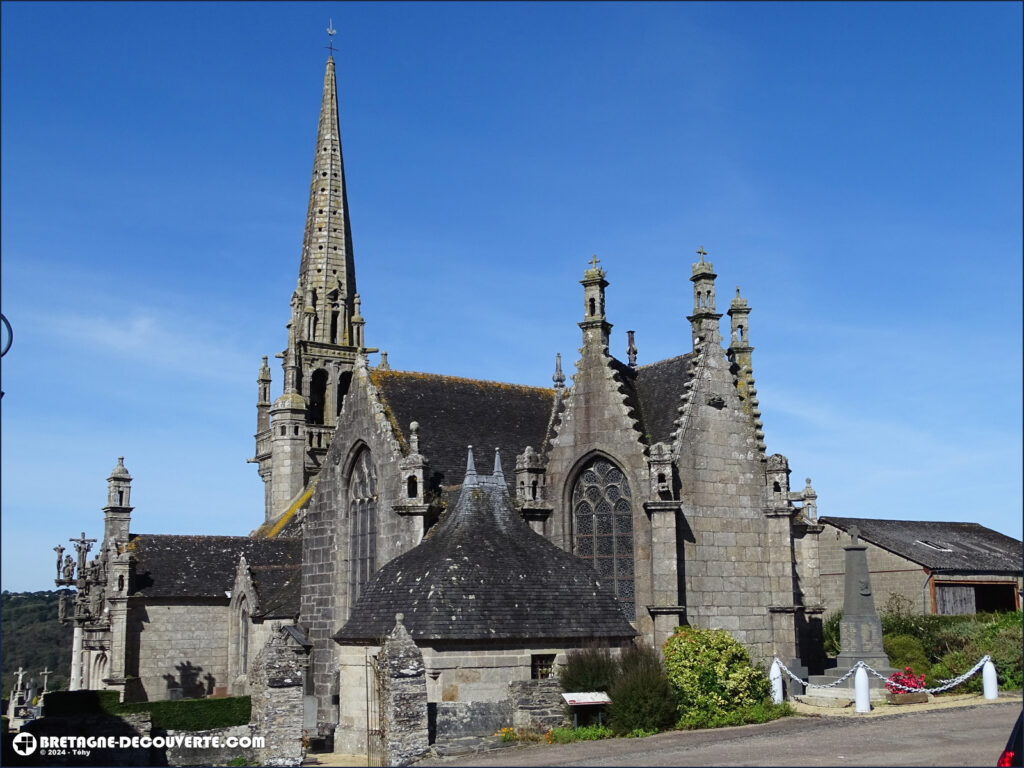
(362, 505)
(603, 519)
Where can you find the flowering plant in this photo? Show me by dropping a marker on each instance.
(900, 682)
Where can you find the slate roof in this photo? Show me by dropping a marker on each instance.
(973, 547)
(201, 566)
(659, 387)
(277, 590)
(484, 574)
(454, 412)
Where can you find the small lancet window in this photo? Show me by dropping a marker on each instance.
(412, 487)
(593, 307)
(120, 498)
(776, 487)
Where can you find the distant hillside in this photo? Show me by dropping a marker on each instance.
(32, 638)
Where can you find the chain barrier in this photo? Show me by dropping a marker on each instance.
(946, 684)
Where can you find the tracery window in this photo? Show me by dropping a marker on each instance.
(362, 506)
(603, 522)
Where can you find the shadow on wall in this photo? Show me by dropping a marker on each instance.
(188, 684)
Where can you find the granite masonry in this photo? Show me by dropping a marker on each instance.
(642, 491)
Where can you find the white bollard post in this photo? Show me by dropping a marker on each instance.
(989, 681)
(775, 675)
(861, 692)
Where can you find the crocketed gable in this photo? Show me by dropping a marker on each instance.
(937, 545)
(201, 566)
(454, 412)
(484, 574)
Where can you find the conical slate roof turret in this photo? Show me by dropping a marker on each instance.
(484, 574)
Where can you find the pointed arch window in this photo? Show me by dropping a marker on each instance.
(243, 638)
(362, 505)
(602, 505)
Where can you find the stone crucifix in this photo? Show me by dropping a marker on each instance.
(702, 253)
(82, 547)
(594, 262)
(45, 675)
(21, 675)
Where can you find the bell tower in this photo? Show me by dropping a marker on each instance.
(325, 331)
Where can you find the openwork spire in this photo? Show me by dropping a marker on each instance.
(327, 270)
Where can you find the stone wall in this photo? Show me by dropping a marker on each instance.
(325, 558)
(537, 705)
(890, 574)
(276, 684)
(179, 645)
(99, 725)
(220, 755)
(737, 562)
(403, 698)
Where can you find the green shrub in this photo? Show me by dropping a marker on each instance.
(586, 733)
(195, 714)
(761, 712)
(588, 669)
(64, 703)
(711, 674)
(906, 651)
(830, 633)
(642, 697)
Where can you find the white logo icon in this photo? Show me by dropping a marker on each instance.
(24, 744)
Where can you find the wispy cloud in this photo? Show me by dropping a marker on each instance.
(181, 344)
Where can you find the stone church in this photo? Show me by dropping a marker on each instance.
(655, 477)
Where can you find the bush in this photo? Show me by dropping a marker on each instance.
(588, 669)
(179, 715)
(761, 712)
(586, 733)
(830, 633)
(906, 651)
(195, 714)
(712, 675)
(642, 697)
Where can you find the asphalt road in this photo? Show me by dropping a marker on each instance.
(949, 737)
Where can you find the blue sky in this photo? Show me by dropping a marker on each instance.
(856, 168)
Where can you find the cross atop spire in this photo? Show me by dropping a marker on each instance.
(702, 253)
(331, 32)
(594, 261)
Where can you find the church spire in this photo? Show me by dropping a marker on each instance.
(327, 271)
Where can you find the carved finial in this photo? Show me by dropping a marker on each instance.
(384, 364)
(559, 377)
(331, 32)
(497, 464)
(470, 466)
(414, 437)
(702, 253)
(399, 618)
(854, 534)
(737, 291)
(631, 348)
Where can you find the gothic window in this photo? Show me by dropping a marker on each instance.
(317, 396)
(362, 506)
(243, 640)
(603, 521)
